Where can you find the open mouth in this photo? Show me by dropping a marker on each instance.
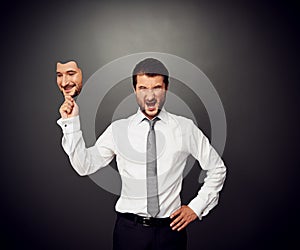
(151, 106)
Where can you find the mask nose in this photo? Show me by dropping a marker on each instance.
(64, 81)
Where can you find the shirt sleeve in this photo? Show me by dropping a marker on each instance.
(208, 195)
(84, 160)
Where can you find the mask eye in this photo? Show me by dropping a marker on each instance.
(71, 73)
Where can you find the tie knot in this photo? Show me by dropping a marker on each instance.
(152, 122)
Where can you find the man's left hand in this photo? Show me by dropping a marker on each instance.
(184, 215)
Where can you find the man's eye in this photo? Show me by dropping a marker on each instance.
(71, 73)
(158, 87)
(142, 87)
(59, 75)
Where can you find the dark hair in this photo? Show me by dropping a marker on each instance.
(150, 67)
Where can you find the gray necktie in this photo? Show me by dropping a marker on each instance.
(152, 190)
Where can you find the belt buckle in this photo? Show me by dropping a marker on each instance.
(146, 221)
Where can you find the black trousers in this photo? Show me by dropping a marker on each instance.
(130, 235)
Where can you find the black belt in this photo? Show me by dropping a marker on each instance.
(146, 221)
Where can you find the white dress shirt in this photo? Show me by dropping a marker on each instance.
(176, 138)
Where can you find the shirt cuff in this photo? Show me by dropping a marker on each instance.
(197, 208)
(69, 125)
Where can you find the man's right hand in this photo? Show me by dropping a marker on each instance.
(69, 108)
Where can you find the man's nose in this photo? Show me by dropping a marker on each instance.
(150, 95)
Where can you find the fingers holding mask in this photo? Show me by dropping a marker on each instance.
(69, 108)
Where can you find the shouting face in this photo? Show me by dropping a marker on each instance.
(69, 78)
(150, 94)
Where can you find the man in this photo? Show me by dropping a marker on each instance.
(151, 149)
(69, 78)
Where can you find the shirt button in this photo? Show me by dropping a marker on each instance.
(65, 125)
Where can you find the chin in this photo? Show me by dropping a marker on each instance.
(152, 113)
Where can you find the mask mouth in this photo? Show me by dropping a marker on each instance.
(69, 86)
(70, 90)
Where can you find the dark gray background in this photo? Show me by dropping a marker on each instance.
(249, 51)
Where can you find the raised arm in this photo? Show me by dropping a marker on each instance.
(84, 160)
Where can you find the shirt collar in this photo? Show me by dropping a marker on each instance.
(139, 116)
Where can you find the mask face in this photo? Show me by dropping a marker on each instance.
(69, 78)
